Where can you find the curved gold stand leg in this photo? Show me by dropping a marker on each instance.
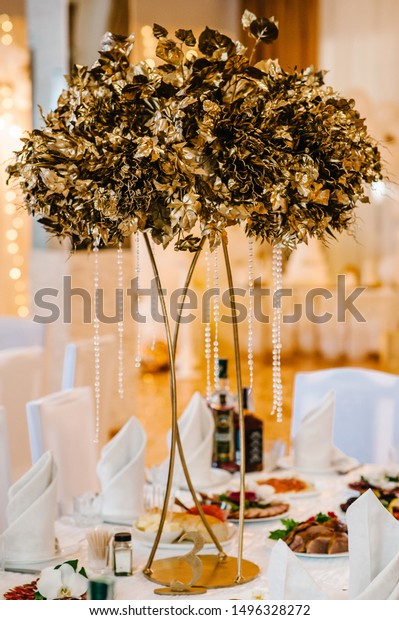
(147, 570)
(239, 577)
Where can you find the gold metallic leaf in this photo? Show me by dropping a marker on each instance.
(168, 50)
(186, 36)
(266, 30)
(247, 19)
(159, 31)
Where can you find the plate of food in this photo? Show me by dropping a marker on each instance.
(256, 508)
(290, 486)
(320, 536)
(177, 525)
(388, 480)
(384, 486)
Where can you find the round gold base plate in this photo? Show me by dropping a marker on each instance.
(216, 572)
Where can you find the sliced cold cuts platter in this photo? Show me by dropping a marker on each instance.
(320, 536)
(256, 509)
(271, 512)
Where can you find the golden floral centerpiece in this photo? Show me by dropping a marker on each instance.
(201, 138)
(185, 149)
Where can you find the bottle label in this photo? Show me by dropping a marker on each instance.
(123, 561)
(223, 436)
(254, 448)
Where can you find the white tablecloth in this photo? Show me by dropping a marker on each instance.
(330, 572)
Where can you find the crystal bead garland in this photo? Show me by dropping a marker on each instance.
(208, 338)
(216, 318)
(137, 359)
(277, 269)
(153, 302)
(96, 344)
(250, 311)
(120, 320)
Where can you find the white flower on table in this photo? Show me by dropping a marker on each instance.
(61, 582)
(258, 595)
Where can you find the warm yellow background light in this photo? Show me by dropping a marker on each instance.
(15, 273)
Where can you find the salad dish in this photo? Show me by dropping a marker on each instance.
(385, 487)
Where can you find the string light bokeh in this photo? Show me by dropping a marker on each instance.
(15, 224)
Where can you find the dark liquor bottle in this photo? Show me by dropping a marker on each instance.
(253, 435)
(222, 404)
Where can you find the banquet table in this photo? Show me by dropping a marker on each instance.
(330, 573)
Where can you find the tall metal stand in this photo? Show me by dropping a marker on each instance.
(217, 570)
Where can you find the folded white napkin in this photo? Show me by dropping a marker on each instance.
(121, 470)
(313, 443)
(288, 578)
(31, 513)
(196, 426)
(373, 550)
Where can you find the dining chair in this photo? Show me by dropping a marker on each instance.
(79, 370)
(63, 423)
(21, 371)
(366, 422)
(5, 473)
(19, 332)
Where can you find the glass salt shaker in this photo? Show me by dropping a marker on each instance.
(123, 554)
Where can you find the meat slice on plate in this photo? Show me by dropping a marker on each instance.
(338, 543)
(318, 545)
(297, 544)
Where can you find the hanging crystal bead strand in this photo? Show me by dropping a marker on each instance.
(208, 337)
(216, 318)
(250, 311)
(153, 302)
(137, 359)
(120, 320)
(96, 344)
(277, 268)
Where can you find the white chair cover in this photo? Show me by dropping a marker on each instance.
(64, 423)
(18, 332)
(20, 381)
(366, 424)
(5, 474)
(79, 371)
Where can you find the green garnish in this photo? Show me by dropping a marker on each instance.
(391, 478)
(322, 518)
(289, 526)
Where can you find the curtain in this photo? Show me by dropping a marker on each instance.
(298, 20)
(118, 17)
(359, 47)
